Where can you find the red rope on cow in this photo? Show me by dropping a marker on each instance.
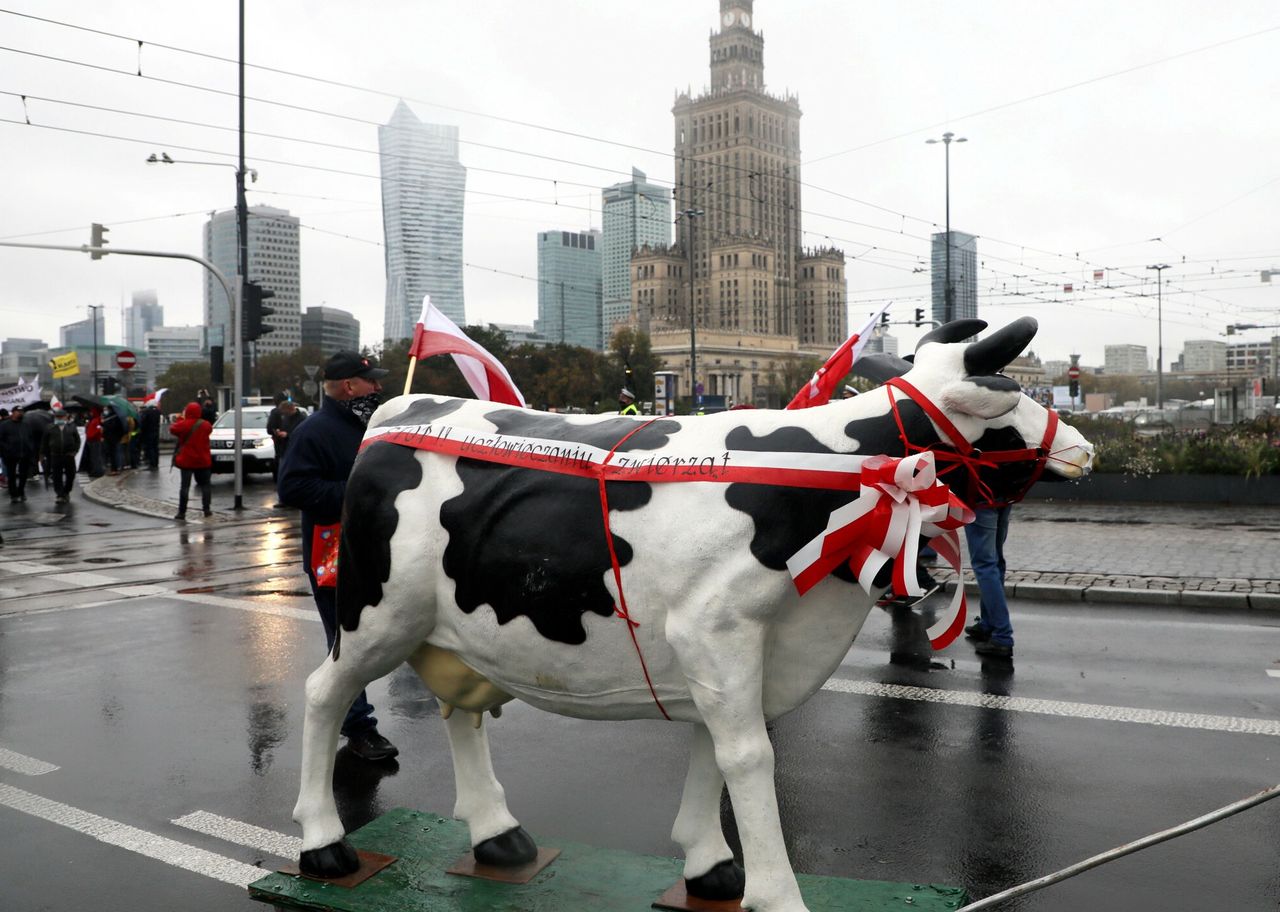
(620, 607)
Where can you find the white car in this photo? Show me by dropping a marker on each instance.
(259, 449)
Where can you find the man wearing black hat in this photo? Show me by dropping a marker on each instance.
(313, 478)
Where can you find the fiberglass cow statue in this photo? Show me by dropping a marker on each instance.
(608, 567)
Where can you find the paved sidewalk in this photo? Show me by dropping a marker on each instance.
(1177, 555)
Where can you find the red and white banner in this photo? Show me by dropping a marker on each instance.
(436, 334)
(823, 383)
(154, 398)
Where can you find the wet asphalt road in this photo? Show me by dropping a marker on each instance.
(168, 683)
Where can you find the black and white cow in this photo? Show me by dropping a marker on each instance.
(497, 582)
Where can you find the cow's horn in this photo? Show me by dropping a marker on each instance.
(880, 367)
(955, 331)
(990, 355)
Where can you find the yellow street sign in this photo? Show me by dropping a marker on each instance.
(67, 365)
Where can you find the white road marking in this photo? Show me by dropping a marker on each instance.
(141, 589)
(21, 763)
(241, 833)
(1234, 724)
(82, 579)
(1274, 672)
(24, 568)
(298, 614)
(112, 832)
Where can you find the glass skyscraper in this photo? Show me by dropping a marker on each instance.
(569, 283)
(964, 275)
(275, 263)
(635, 213)
(423, 186)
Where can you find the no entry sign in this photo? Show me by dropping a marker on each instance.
(1073, 372)
(125, 360)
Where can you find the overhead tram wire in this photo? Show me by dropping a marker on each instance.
(510, 120)
(375, 124)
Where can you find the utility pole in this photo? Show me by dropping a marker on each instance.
(1160, 268)
(237, 311)
(948, 290)
(695, 398)
(93, 374)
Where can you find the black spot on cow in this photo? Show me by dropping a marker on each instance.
(369, 519)
(531, 543)
(787, 518)
(423, 411)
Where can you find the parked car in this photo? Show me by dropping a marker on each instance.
(259, 449)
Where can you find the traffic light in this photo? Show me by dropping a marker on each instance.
(216, 375)
(1073, 387)
(97, 239)
(110, 385)
(255, 310)
(919, 316)
(884, 320)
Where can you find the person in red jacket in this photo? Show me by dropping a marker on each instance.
(192, 457)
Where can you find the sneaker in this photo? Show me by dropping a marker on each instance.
(371, 746)
(994, 650)
(978, 632)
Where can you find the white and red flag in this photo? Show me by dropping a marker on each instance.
(154, 398)
(436, 334)
(824, 381)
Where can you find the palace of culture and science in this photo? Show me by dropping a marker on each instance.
(760, 297)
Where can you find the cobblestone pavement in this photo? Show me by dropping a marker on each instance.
(1191, 555)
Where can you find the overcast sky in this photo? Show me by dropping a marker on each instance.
(1094, 129)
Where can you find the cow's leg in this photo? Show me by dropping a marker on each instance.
(724, 666)
(709, 869)
(496, 836)
(330, 690)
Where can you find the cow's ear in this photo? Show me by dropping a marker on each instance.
(982, 397)
(880, 367)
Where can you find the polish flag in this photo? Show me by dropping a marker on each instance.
(154, 398)
(823, 383)
(436, 334)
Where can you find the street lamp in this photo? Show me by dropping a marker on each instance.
(948, 291)
(689, 215)
(1160, 268)
(237, 310)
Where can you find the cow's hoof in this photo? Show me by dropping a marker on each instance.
(335, 860)
(507, 850)
(727, 880)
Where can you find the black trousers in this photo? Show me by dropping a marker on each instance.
(203, 480)
(63, 470)
(19, 470)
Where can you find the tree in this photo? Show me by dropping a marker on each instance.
(286, 372)
(183, 379)
(784, 383)
(630, 348)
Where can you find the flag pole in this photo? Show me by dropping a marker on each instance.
(408, 380)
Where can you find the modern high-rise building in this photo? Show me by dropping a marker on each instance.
(634, 214)
(423, 187)
(141, 316)
(81, 334)
(275, 263)
(737, 216)
(964, 276)
(1204, 355)
(169, 345)
(569, 287)
(330, 329)
(1125, 359)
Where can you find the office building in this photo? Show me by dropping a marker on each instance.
(569, 287)
(881, 343)
(964, 276)
(1253, 359)
(634, 214)
(275, 263)
(141, 316)
(330, 329)
(423, 186)
(1125, 359)
(81, 334)
(169, 345)
(1204, 355)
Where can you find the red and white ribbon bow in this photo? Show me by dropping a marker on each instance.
(900, 500)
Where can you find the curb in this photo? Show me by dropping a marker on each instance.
(1167, 598)
(110, 491)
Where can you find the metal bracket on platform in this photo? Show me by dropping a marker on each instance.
(679, 900)
(467, 866)
(370, 863)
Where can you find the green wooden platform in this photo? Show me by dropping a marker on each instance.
(583, 878)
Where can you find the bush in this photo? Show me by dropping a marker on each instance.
(1250, 448)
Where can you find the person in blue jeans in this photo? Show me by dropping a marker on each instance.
(992, 630)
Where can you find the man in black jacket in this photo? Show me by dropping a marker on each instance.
(59, 448)
(281, 423)
(19, 446)
(313, 478)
